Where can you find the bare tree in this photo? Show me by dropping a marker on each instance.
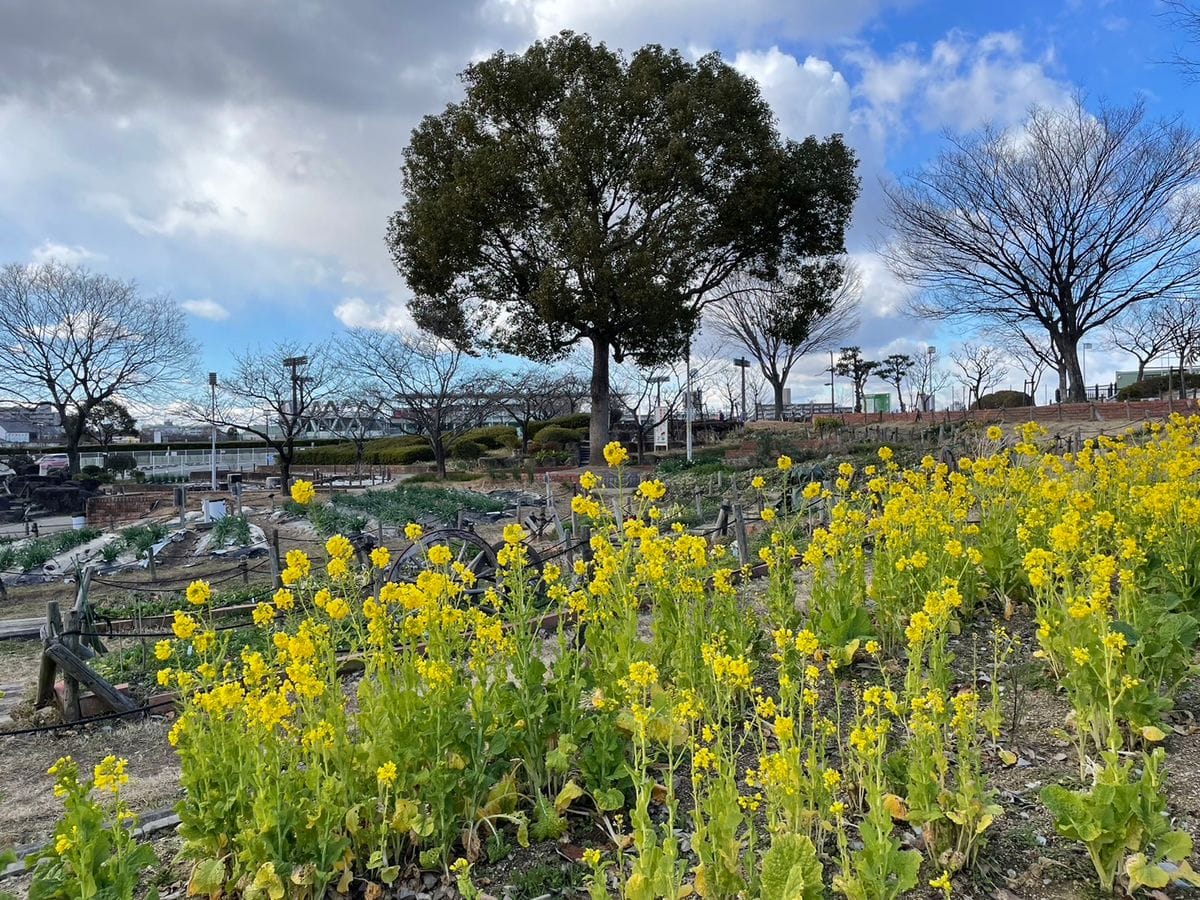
(893, 369)
(356, 418)
(980, 367)
(1063, 225)
(426, 381)
(852, 365)
(1141, 332)
(1184, 18)
(536, 393)
(779, 322)
(273, 393)
(651, 396)
(1032, 352)
(1180, 322)
(78, 339)
(926, 379)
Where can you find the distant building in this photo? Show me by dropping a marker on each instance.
(1125, 379)
(32, 425)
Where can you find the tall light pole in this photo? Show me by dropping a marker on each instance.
(212, 389)
(743, 364)
(294, 363)
(1083, 367)
(930, 353)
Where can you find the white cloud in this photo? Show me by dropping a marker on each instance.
(960, 84)
(73, 255)
(206, 309)
(630, 23)
(808, 98)
(355, 312)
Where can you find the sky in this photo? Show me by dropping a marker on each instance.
(244, 158)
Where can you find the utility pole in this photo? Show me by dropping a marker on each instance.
(832, 402)
(212, 388)
(742, 363)
(688, 405)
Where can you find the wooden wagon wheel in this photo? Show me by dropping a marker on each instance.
(465, 546)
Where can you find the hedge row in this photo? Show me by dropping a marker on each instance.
(1155, 386)
(398, 451)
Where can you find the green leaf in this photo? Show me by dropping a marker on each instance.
(1141, 873)
(208, 878)
(568, 795)
(791, 870)
(1175, 846)
(608, 799)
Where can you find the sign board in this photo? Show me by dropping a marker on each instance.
(880, 403)
(662, 431)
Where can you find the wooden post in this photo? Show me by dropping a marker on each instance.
(71, 712)
(245, 570)
(273, 550)
(585, 537)
(150, 563)
(697, 493)
(50, 632)
(87, 620)
(743, 541)
(723, 519)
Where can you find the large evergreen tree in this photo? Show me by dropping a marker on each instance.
(577, 195)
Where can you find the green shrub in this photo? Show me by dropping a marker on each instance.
(828, 424)
(120, 462)
(466, 451)
(494, 437)
(556, 437)
(397, 451)
(1004, 400)
(1155, 386)
(575, 422)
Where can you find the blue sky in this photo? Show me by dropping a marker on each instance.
(244, 159)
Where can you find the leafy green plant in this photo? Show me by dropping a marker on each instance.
(1123, 824)
(94, 854)
(231, 530)
(140, 538)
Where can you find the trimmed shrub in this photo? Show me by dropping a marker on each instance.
(120, 462)
(397, 451)
(1155, 386)
(1004, 400)
(466, 451)
(495, 437)
(575, 422)
(556, 437)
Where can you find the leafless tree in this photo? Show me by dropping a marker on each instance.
(980, 368)
(1032, 352)
(650, 396)
(1063, 223)
(355, 417)
(1180, 322)
(535, 393)
(926, 379)
(76, 339)
(780, 322)
(1141, 332)
(1184, 19)
(273, 393)
(426, 381)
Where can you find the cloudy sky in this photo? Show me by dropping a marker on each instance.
(244, 157)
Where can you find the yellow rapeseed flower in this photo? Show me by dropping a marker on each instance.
(413, 531)
(615, 455)
(440, 554)
(303, 492)
(381, 557)
(199, 593)
(784, 463)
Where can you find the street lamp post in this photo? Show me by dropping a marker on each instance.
(212, 388)
(293, 363)
(742, 363)
(927, 385)
(1083, 367)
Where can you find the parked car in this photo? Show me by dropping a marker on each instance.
(53, 462)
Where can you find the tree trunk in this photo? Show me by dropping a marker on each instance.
(439, 458)
(777, 391)
(1141, 368)
(1076, 391)
(900, 398)
(598, 429)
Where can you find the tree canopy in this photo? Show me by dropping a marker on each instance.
(575, 194)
